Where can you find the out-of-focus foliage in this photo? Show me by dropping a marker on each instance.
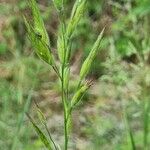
(123, 68)
(132, 25)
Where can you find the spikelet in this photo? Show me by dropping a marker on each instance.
(38, 35)
(88, 61)
(38, 21)
(61, 42)
(40, 114)
(77, 13)
(79, 94)
(66, 77)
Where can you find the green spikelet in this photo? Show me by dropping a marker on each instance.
(38, 22)
(61, 42)
(66, 77)
(38, 35)
(79, 94)
(88, 61)
(69, 124)
(60, 49)
(77, 13)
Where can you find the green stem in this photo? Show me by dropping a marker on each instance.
(65, 109)
(64, 95)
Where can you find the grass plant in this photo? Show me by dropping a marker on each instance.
(40, 41)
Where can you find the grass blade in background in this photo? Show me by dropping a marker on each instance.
(20, 120)
(130, 136)
(22, 115)
(146, 123)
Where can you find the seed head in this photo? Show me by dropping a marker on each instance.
(79, 94)
(77, 13)
(88, 61)
(38, 35)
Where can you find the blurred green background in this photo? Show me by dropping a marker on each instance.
(121, 75)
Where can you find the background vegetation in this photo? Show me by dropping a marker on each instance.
(117, 106)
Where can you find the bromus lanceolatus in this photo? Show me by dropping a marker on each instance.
(41, 43)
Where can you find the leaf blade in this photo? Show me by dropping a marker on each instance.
(40, 134)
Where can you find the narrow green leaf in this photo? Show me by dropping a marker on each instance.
(88, 62)
(43, 121)
(41, 116)
(146, 122)
(41, 134)
(21, 120)
(130, 135)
